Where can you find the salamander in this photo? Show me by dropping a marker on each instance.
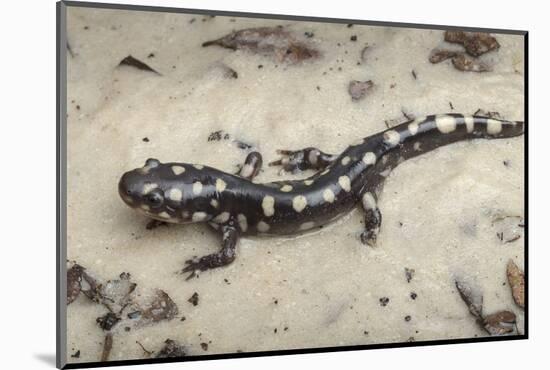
(234, 205)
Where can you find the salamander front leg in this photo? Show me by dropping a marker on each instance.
(224, 257)
(305, 159)
(252, 166)
(373, 219)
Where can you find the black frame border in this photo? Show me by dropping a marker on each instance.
(61, 199)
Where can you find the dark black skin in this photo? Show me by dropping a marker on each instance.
(349, 178)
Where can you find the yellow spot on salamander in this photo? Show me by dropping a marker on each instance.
(178, 170)
(345, 183)
(197, 188)
(268, 205)
(220, 185)
(328, 195)
(299, 203)
(286, 188)
(175, 194)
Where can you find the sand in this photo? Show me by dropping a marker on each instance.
(319, 289)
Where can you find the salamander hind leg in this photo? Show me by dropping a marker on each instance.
(252, 166)
(304, 159)
(373, 219)
(223, 257)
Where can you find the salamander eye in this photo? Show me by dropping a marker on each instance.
(154, 198)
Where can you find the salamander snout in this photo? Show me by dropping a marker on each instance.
(128, 188)
(136, 186)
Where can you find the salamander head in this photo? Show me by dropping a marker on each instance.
(170, 192)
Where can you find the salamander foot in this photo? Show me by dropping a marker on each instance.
(373, 220)
(223, 257)
(369, 238)
(206, 263)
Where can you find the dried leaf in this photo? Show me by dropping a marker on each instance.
(269, 41)
(256, 39)
(472, 298)
(115, 294)
(438, 55)
(162, 307)
(89, 286)
(500, 323)
(516, 280)
(126, 308)
(358, 89)
(74, 277)
(467, 64)
(475, 43)
(171, 349)
(133, 62)
(455, 36)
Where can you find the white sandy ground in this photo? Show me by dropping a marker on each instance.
(327, 284)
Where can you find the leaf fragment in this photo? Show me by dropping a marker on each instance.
(500, 323)
(516, 279)
(269, 41)
(472, 298)
(74, 277)
(161, 307)
(133, 62)
(468, 64)
(439, 55)
(475, 43)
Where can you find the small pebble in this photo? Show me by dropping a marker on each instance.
(194, 299)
